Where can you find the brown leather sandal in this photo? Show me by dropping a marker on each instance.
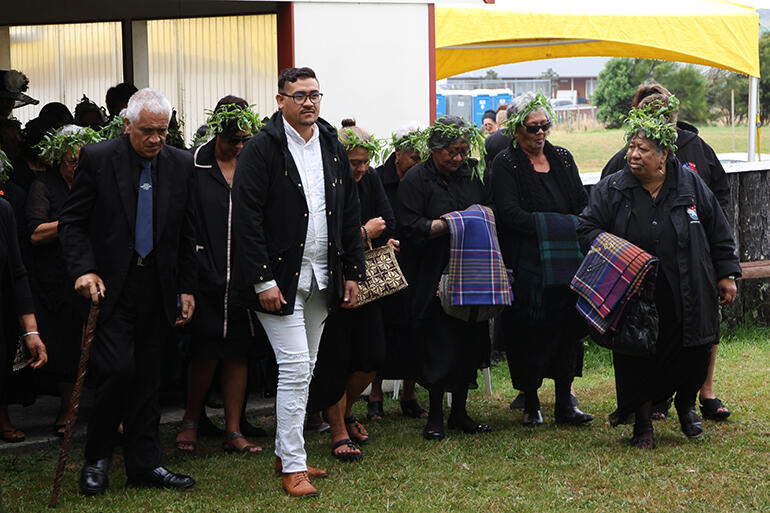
(187, 446)
(229, 447)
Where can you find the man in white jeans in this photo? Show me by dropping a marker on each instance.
(296, 235)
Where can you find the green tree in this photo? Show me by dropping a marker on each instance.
(491, 75)
(689, 85)
(764, 81)
(553, 77)
(719, 82)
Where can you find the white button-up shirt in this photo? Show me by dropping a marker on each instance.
(307, 158)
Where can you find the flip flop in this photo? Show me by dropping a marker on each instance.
(710, 409)
(346, 456)
(359, 436)
(12, 439)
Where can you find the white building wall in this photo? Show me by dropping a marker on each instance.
(371, 60)
(197, 61)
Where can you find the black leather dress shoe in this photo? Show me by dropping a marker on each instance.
(692, 427)
(433, 434)
(572, 416)
(93, 477)
(471, 428)
(532, 419)
(160, 477)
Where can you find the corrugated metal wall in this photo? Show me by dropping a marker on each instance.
(197, 61)
(63, 62)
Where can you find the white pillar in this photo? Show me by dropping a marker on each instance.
(5, 47)
(753, 108)
(140, 54)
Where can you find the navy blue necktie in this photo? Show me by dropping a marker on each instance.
(144, 211)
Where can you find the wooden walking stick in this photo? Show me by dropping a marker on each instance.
(72, 414)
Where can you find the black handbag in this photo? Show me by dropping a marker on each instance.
(638, 330)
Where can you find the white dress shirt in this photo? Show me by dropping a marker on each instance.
(307, 158)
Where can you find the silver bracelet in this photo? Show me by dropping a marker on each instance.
(30, 333)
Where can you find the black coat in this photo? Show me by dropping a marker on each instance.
(706, 250)
(97, 222)
(424, 195)
(692, 150)
(374, 203)
(270, 217)
(214, 316)
(494, 145)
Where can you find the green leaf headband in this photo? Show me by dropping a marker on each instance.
(414, 140)
(113, 129)
(654, 124)
(5, 166)
(246, 118)
(517, 120)
(470, 133)
(375, 147)
(56, 144)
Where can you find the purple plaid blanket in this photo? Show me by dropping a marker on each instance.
(476, 271)
(613, 271)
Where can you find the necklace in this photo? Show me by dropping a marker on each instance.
(656, 190)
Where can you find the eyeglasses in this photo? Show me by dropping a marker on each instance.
(299, 99)
(532, 129)
(235, 139)
(454, 153)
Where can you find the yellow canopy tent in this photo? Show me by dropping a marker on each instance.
(710, 32)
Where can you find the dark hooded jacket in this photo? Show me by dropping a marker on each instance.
(693, 151)
(705, 249)
(270, 217)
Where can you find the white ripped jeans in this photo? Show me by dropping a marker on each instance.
(295, 339)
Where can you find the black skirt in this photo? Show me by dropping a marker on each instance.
(548, 348)
(402, 357)
(673, 368)
(451, 350)
(353, 340)
(61, 329)
(244, 335)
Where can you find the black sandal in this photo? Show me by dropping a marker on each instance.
(640, 439)
(411, 408)
(187, 446)
(347, 456)
(709, 408)
(357, 437)
(374, 410)
(229, 448)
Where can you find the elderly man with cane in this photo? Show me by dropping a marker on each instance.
(127, 230)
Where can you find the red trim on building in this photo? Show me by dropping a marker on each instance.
(432, 61)
(285, 34)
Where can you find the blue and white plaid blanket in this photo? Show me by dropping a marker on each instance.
(476, 271)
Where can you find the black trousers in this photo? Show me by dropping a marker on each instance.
(125, 370)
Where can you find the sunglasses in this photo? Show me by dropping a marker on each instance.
(532, 129)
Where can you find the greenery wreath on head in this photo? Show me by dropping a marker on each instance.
(375, 147)
(653, 122)
(5, 167)
(517, 120)
(57, 143)
(470, 133)
(411, 141)
(246, 118)
(114, 128)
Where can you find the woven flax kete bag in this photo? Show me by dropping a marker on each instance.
(383, 275)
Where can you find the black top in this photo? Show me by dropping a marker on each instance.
(494, 145)
(426, 194)
(15, 294)
(270, 217)
(44, 203)
(703, 248)
(374, 203)
(17, 197)
(693, 151)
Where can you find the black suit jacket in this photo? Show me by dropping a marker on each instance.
(97, 221)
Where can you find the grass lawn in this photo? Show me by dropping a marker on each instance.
(568, 469)
(592, 149)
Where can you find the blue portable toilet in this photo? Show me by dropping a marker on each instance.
(481, 102)
(440, 105)
(503, 98)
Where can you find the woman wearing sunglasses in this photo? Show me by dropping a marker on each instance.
(219, 331)
(531, 181)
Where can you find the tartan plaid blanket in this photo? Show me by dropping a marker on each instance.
(560, 254)
(476, 271)
(613, 271)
